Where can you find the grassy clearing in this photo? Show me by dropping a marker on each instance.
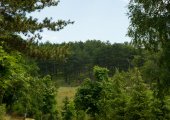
(65, 92)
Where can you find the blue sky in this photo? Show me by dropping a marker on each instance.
(94, 19)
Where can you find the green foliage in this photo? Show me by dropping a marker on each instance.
(138, 106)
(87, 97)
(81, 115)
(78, 63)
(115, 99)
(149, 23)
(150, 68)
(68, 111)
(20, 90)
(2, 112)
(149, 28)
(114, 56)
(14, 18)
(100, 73)
(35, 50)
(124, 96)
(102, 98)
(11, 71)
(38, 99)
(23, 91)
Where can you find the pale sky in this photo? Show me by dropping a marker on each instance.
(104, 20)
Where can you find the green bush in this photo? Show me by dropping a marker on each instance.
(2, 111)
(68, 111)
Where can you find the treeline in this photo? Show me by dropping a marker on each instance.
(83, 56)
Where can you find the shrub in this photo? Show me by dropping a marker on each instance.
(2, 111)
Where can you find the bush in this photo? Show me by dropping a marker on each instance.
(68, 111)
(2, 111)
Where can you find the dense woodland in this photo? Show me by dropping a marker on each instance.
(120, 81)
(83, 56)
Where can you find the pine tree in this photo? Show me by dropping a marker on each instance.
(138, 105)
(14, 19)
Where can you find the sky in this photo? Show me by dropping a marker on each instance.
(104, 20)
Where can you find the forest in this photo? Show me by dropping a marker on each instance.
(105, 81)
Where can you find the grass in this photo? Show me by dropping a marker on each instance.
(65, 92)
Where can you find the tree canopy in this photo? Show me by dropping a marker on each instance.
(149, 23)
